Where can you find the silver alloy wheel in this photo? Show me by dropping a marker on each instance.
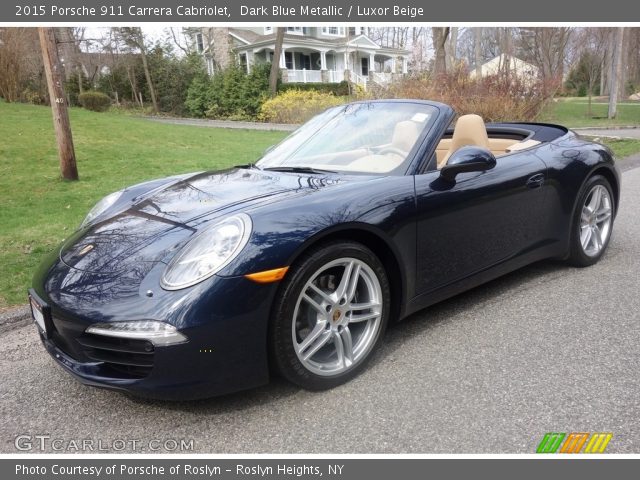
(337, 317)
(595, 221)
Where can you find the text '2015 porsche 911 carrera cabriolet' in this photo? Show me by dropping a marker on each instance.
(205, 283)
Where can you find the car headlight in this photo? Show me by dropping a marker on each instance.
(100, 207)
(158, 333)
(207, 253)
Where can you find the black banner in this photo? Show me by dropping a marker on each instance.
(301, 468)
(292, 11)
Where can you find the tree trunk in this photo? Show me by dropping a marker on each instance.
(147, 75)
(440, 35)
(275, 64)
(617, 73)
(57, 97)
(477, 50)
(451, 47)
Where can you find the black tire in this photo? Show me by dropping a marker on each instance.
(281, 332)
(577, 256)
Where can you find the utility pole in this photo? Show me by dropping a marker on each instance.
(57, 97)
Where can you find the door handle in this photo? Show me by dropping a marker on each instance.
(536, 181)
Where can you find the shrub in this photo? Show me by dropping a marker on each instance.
(338, 89)
(297, 106)
(229, 94)
(94, 101)
(495, 98)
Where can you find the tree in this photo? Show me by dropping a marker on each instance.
(20, 62)
(134, 38)
(55, 81)
(275, 65)
(616, 69)
(477, 51)
(440, 35)
(546, 48)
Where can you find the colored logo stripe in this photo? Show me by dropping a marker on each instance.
(598, 443)
(574, 442)
(550, 443)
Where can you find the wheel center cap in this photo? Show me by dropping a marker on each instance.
(336, 315)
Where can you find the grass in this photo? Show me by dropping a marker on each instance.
(572, 112)
(38, 209)
(621, 147)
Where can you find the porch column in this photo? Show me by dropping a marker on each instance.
(372, 62)
(283, 63)
(404, 64)
(346, 60)
(249, 61)
(393, 65)
(323, 60)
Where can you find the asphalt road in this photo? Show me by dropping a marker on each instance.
(546, 349)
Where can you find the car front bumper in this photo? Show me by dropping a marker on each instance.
(225, 322)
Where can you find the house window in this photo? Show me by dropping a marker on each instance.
(199, 42)
(295, 30)
(268, 30)
(305, 62)
(288, 60)
(243, 61)
(335, 31)
(355, 31)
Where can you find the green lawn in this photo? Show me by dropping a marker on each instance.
(621, 147)
(37, 209)
(572, 112)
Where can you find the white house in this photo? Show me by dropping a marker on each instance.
(519, 68)
(310, 54)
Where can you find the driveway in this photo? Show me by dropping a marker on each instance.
(546, 349)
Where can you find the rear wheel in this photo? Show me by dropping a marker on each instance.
(330, 315)
(593, 221)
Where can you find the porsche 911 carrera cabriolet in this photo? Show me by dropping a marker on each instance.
(208, 283)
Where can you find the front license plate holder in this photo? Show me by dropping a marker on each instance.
(41, 314)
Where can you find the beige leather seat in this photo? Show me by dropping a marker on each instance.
(391, 156)
(405, 135)
(469, 130)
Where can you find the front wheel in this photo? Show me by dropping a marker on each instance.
(330, 315)
(593, 222)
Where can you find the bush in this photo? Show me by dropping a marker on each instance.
(94, 101)
(297, 106)
(229, 94)
(338, 89)
(495, 98)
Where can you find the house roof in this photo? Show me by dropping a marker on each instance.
(252, 39)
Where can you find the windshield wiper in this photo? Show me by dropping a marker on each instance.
(298, 170)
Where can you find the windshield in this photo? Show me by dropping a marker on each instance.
(374, 137)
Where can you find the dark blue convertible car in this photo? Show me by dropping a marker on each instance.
(207, 283)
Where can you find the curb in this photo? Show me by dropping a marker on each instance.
(608, 127)
(199, 122)
(15, 317)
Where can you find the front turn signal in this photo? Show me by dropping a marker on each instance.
(268, 276)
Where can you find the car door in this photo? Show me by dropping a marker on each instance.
(480, 220)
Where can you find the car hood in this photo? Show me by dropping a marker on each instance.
(151, 226)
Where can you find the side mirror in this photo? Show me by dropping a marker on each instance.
(468, 159)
